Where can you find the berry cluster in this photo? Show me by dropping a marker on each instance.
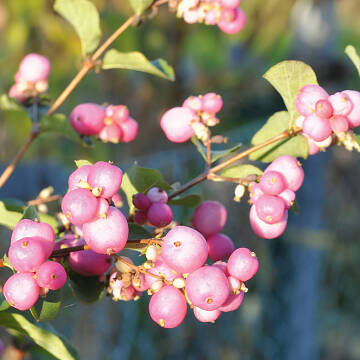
(87, 204)
(153, 208)
(111, 123)
(192, 118)
(274, 195)
(31, 78)
(226, 14)
(31, 245)
(324, 115)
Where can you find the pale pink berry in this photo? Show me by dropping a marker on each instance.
(157, 195)
(108, 235)
(312, 147)
(307, 98)
(211, 103)
(140, 217)
(339, 123)
(151, 253)
(288, 196)
(265, 230)
(51, 275)
(176, 124)
(21, 291)
(220, 246)
(15, 93)
(79, 177)
(184, 249)
(231, 3)
(29, 228)
(119, 113)
(222, 265)
(243, 264)
(168, 307)
(254, 191)
(235, 25)
(316, 127)
(88, 118)
(207, 288)
(270, 208)
(105, 176)
(232, 303)
(68, 240)
(80, 206)
(354, 115)
(209, 217)
(341, 103)
(34, 68)
(111, 133)
(27, 254)
(290, 169)
(193, 103)
(117, 200)
(130, 129)
(211, 17)
(103, 207)
(234, 283)
(141, 201)
(139, 283)
(205, 315)
(160, 268)
(159, 214)
(191, 16)
(272, 183)
(324, 109)
(127, 293)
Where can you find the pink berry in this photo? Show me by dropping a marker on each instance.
(341, 103)
(15, 93)
(206, 316)
(117, 200)
(140, 217)
(255, 191)
(108, 235)
(176, 124)
(211, 103)
(167, 307)
(209, 217)
(211, 17)
(312, 147)
(152, 253)
(270, 208)
(231, 3)
(290, 169)
(272, 183)
(193, 103)
(141, 201)
(184, 249)
(243, 264)
(27, 254)
(103, 207)
(354, 115)
(207, 288)
(324, 109)
(157, 195)
(235, 25)
(307, 98)
(140, 283)
(129, 129)
(88, 118)
(119, 113)
(265, 230)
(34, 68)
(111, 133)
(78, 177)
(232, 303)
(317, 127)
(66, 241)
(29, 228)
(220, 246)
(161, 268)
(234, 283)
(80, 206)
(51, 275)
(21, 291)
(191, 16)
(105, 176)
(288, 196)
(339, 123)
(222, 265)
(160, 214)
(127, 293)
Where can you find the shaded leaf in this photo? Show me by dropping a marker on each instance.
(138, 232)
(30, 212)
(4, 305)
(80, 163)
(135, 60)
(9, 218)
(351, 52)
(191, 201)
(46, 308)
(6, 262)
(9, 104)
(241, 171)
(295, 146)
(140, 6)
(84, 17)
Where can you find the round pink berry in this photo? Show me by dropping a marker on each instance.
(15, 93)
(21, 291)
(288, 196)
(168, 307)
(130, 129)
(176, 124)
(211, 17)
(222, 265)
(207, 287)
(119, 113)
(88, 118)
(103, 207)
(141, 201)
(111, 133)
(191, 16)
(272, 183)
(220, 246)
(243, 264)
(193, 103)
(341, 103)
(324, 109)
(270, 208)
(232, 303)
(339, 123)
(255, 191)
(34, 68)
(51, 275)
(184, 249)
(159, 214)
(157, 195)
(354, 115)
(205, 315)
(307, 98)
(235, 25)
(211, 103)
(78, 177)
(316, 127)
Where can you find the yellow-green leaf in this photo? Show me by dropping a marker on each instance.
(351, 52)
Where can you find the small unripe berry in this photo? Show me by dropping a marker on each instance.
(159, 214)
(34, 68)
(341, 103)
(205, 315)
(272, 183)
(141, 201)
(157, 195)
(339, 123)
(88, 118)
(243, 264)
(354, 115)
(140, 217)
(51, 275)
(130, 129)
(324, 109)
(270, 208)
(193, 103)
(220, 246)
(235, 25)
(211, 103)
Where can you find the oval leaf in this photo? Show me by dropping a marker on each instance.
(84, 17)
(4, 305)
(288, 77)
(9, 104)
(241, 171)
(191, 201)
(46, 308)
(80, 163)
(30, 212)
(351, 52)
(135, 60)
(140, 6)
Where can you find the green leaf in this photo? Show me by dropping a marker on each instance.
(137, 232)
(241, 171)
(51, 220)
(140, 6)
(138, 179)
(191, 201)
(86, 289)
(351, 52)
(9, 218)
(30, 212)
(295, 146)
(200, 148)
(6, 262)
(9, 104)
(55, 345)
(84, 17)
(135, 60)
(80, 163)
(4, 305)
(288, 77)
(47, 307)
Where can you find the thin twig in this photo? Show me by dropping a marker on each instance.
(40, 201)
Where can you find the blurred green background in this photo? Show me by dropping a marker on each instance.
(302, 304)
